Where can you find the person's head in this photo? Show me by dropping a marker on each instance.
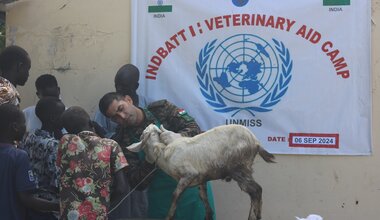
(75, 119)
(12, 123)
(15, 65)
(127, 81)
(49, 111)
(120, 109)
(47, 85)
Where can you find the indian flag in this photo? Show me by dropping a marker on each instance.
(336, 2)
(159, 8)
(182, 111)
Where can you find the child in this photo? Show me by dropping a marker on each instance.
(18, 182)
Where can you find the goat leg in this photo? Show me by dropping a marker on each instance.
(183, 183)
(255, 192)
(203, 195)
(247, 184)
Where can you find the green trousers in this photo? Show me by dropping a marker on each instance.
(189, 205)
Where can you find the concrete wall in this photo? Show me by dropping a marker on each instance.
(83, 42)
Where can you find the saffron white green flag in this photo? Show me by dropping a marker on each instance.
(296, 73)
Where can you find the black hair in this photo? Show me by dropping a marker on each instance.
(107, 100)
(9, 114)
(127, 82)
(129, 73)
(46, 81)
(47, 107)
(75, 119)
(12, 55)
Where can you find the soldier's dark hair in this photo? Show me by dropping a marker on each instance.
(75, 119)
(9, 114)
(48, 108)
(107, 99)
(46, 81)
(12, 55)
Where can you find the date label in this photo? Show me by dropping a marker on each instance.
(314, 140)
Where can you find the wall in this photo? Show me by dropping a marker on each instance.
(84, 42)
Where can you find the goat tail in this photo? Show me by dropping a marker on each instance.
(268, 157)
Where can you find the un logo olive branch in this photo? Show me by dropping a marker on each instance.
(216, 101)
(282, 86)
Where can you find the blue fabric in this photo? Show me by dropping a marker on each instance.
(16, 176)
(106, 123)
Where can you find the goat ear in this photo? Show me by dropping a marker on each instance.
(136, 147)
(163, 129)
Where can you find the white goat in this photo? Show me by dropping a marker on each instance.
(223, 152)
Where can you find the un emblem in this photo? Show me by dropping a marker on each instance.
(244, 73)
(240, 3)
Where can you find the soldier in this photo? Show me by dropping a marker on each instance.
(132, 121)
(126, 83)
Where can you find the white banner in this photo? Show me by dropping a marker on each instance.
(297, 73)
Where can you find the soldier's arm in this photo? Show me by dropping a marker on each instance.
(175, 119)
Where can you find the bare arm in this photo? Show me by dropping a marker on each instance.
(119, 187)
(37, 204)
(138, 170)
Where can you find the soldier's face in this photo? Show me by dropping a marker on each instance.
(123, 112)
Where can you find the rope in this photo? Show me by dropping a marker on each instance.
(129, 193)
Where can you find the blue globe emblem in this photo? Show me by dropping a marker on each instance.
(244, 73)
(243, 68)
(240, 3)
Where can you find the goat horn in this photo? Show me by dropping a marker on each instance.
(135, 147)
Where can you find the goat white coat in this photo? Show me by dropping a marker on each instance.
(223, 152)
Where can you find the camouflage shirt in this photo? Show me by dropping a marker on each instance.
(160, 113)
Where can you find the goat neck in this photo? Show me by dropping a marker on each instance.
(154, 152)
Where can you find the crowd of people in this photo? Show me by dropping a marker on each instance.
(56, 162)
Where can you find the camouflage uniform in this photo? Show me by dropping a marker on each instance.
(177, 120)
(160, 112)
